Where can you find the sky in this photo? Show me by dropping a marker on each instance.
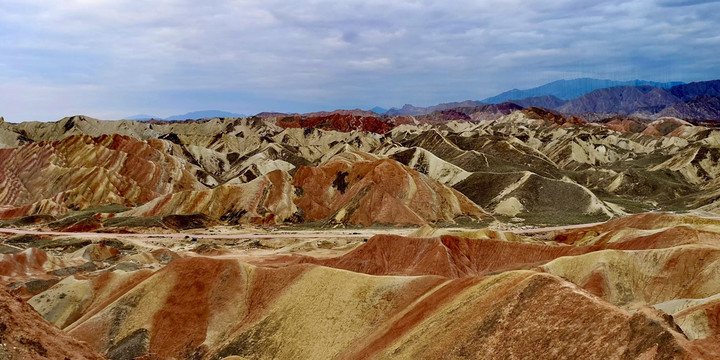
(115, 58)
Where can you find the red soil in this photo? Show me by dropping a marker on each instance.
(376, 192)
(337, 122)
(26, 263)
(187, 308)
(134, 170)
(390, 333)
(24, 334)
(665, 238)
(447, 256)
(206, 285)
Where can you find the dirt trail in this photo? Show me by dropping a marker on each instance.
(183, 235)
(553, 228)
(297, 235)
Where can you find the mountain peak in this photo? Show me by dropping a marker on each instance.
(193, 115)
(204, 114)
(572, 89)
(379, 110)
(141, 117)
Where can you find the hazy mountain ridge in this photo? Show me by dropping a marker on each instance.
(688, 91)
(703, 107)
(193, 115)
(408, 109)
(577, 96)
(545, 101)
(620, 100)
(694, 101)
(571, 89)
(379, 110)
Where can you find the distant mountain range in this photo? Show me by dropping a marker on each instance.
(694, 101)
(703, 107)
(639, 98)
(545, 101)
(621, 100)
(551, 96)
(408, 109)
(379, 110)
(571, 89)
(643, 99)
(203, 114)
(142, 117)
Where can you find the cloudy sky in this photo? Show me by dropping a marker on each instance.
(115, 58)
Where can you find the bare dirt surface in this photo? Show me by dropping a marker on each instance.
(171, 236)
(299, 234)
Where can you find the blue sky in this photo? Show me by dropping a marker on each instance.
(110, 59)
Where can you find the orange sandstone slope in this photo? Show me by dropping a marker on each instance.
(360, 188)
(266, 199)
(82, 172)
(494, 296)
(24, 334)
(212, 308)
(351, 188)
(447, 256)
(645, 231)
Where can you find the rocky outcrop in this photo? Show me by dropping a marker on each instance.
(547, 101)
(622, 165)
(358, 188)
(81, 172)
(336, 121)
(24, 334)
(525, 194)
(266, 199)
(621, 100)
(411, 110)
(705, 107)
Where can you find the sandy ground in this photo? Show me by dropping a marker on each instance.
(249, 242)
(242, 242)
(273, 235)
(228, 233)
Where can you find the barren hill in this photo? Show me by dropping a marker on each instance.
(522, 166)
(643, 286)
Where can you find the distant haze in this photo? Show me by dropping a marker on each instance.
(204, 114)
(113, 59)
(570, 89)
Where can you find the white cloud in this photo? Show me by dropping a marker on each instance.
(333, 53)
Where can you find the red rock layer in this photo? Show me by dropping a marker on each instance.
(27, 263)
(401, 297)
(447, 256)
(32, 265)
(631, 232)
(456, 257)
(81, 172)
(377, 191)
(337, 122)
(530, 317)
(539, 113)
(265, 200)
(711, 312)
(199, 288)
(188, 310)
(24, 334)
